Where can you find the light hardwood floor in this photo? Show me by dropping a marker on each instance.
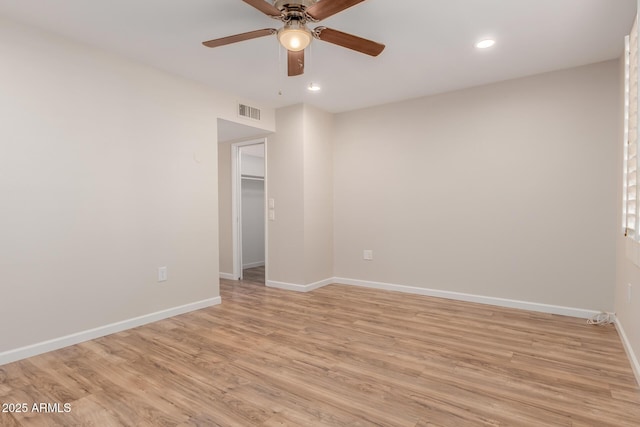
(336, 356)
(253, 275)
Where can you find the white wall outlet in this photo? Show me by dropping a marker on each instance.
(367, 254)
(629, 292)
(162, 274)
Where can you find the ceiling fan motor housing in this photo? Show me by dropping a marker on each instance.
(294, 36)
(283, 5)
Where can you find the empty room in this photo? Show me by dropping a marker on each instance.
(319, 213)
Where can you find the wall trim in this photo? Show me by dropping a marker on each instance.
(90, 334)
(460, 296)
(253, 264)
(633, 359)
(299, 288)
(227, 276)
(501, 302)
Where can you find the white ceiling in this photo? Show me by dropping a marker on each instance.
(429, 43)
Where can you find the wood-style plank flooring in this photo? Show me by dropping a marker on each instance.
(337, 356)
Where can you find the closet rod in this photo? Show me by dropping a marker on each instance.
(253, 177)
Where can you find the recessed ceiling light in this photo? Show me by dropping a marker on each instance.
(313, 87)
(486, 43)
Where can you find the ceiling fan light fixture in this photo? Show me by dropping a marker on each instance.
(314, 87)
(294, 36)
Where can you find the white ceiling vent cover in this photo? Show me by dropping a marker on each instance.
(248, 112)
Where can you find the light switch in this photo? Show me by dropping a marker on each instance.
(272, 215)
(162, 274)
(272, 203)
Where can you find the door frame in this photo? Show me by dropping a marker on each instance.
(236, 204)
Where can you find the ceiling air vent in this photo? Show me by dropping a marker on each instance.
(248, 112)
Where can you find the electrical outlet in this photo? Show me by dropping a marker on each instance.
(162, 274)
(367, 255)
(629, 292)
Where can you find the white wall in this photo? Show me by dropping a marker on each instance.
(253, 207)
(251, 165)
(252, 223)
(225, 223)
(108, 171)
(506, 190)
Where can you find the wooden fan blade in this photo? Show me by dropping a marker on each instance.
(240, 37)
(349, 41)
(264, 7)
(295, 62)
(326, 8)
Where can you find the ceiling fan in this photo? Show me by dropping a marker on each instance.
(295, 36)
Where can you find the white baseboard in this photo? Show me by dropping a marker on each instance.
(635, 364)
(227, 276)
(57, 343)
(502, 302)
(299, 288)
(252, 265)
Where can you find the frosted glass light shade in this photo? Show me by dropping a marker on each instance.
(294, 37)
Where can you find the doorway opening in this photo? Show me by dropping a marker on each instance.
(249, 210)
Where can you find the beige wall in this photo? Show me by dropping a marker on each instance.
(506, 190)
(299, 179)
(108, 171)
(285, 184)
(318, 194)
